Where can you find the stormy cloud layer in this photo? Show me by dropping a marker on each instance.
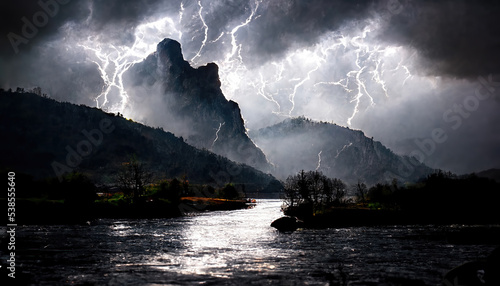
(402, 71)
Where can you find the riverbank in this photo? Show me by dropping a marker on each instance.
(356, 216)
(33, 211)
(215, 204)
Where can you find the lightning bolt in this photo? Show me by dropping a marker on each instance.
(291, 97)
(339, 83)
(357, 99)
(218, 38)
(113, 61)
(232, 68)
(319, 160)
(342, 150)
(408, 73)
(217, 134)
(376, 78)
(236, 49)
(121, 63)
(205, 27)
(361, 76)
(261, 91)
(181, 12)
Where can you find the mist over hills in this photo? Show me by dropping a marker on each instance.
(338, 152)
(45, 138)
(166, 91)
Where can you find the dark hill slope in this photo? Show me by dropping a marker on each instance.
(43, 137)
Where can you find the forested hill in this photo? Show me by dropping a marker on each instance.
(338, 152)
(45, 138)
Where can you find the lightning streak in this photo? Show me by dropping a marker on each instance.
(344, 58)
(291, 97)
(113, 61)
(218, 38)
(235, 47)
(343, 149)
(319, 160)
(262, 92)
(232, 67)
(408, 73)
(217, 134)
(121, 62)
(205, 27)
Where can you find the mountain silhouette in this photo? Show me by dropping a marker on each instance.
(166, 91)
(337, 151)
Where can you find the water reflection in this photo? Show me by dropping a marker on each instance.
(220, 243)
(236, 247)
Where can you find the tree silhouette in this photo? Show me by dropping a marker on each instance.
(313, 189)
(361, 191)
(133, 178)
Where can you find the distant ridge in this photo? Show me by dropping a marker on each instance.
(493, 174)
(339, 152)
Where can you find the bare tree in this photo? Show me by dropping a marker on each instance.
(361, 191)
(37, 90)
(295, 188)
(133, 178)
(338, 190)
(314, 189)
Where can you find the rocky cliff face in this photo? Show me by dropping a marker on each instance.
(168, 92)
(338, 152)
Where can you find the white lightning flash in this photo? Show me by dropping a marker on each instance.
(319, 160)
(205, 28)
(232, 68)
(291, 97)
(267, 96)
(343, 149)
(217, 134)
(113, 61)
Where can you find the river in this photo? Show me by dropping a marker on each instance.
(235, 248)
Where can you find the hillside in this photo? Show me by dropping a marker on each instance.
(493, 174)
(338, 152)
(45, 138)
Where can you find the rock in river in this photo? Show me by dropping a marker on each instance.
(285, 223)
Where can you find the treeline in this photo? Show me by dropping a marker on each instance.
(75, 198)
(438, 198)
(36, 90)
(307, 193)
(442, 197)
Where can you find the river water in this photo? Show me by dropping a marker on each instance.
(235, 248)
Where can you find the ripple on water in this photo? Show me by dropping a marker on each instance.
(231, 247)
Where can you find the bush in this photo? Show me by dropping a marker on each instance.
(229, 192)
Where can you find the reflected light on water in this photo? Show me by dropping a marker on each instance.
(213, 242)
(240, 248)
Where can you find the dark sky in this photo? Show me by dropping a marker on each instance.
(398, 70)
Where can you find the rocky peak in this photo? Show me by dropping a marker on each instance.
(170, 63)
(189, 102)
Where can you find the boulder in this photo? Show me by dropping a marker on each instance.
(285, 223)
